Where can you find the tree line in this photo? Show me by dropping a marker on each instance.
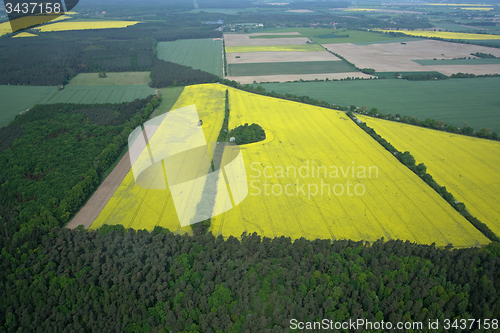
(421, 170)
(115, 279)
(166, 73)
(53, 157)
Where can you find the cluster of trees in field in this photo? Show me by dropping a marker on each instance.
(244, 134)
(484, 55)
(52, 158)
(421, 76)
(421, 170)
(137, 281)
(374, 112)
(166, 73)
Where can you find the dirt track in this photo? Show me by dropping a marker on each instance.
(96, 203)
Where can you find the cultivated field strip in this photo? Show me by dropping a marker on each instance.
(261, 57)
(99, 94)
(275, 48)
(245, 40)
(140, 208)
(396, 205)
(466, 166)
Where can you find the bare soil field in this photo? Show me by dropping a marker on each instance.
(259, 57)
(244, 40)
(295, 77)
(390, 57)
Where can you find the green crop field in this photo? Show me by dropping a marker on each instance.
(274, 36)
(99, 94)
(204, 54)
(15, 99)
(486, 61)
(111, 79)
(168, 98)
(299, 67)
(456, 27)
(455, 100)
(355, 36)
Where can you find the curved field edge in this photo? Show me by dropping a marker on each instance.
(117, 172)
(466, 166)
(139, 208)
(398, 205)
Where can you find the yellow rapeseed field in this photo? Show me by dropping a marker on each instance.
(444, 34)
(139, 208)
(477, 8)
(276, 48)
(466, 166)
(85, 25)
(317, 175)
(458, 4)
(28, 21)
(24, 34)
(320, 176)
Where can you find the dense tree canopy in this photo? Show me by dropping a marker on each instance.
(166, 73)
(137, 281)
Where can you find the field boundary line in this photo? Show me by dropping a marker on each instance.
(89, 213)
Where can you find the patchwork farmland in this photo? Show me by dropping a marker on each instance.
(466, 166)
(396, 205)
(280, 57)
(204, 54)
(404, 57)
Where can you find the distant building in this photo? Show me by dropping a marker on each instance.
(213, 22)
(249, 25)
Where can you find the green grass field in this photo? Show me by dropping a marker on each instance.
(355, 36)
(299, 67)
(455, 100)
(98, 94)
(168, 98)
(111, 79)
(15, 99)
(486, 61)
(204, 54)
